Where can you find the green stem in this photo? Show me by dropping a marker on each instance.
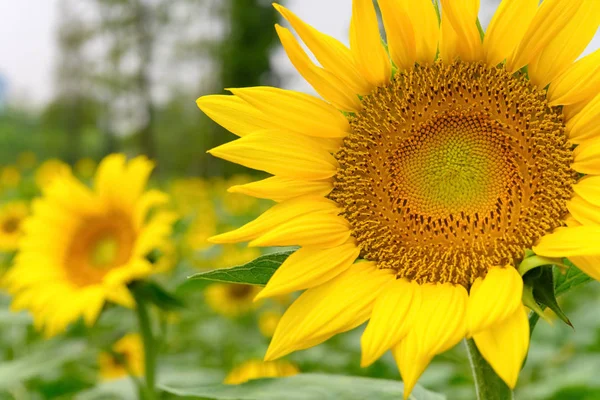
(145, 326)
(488, 386)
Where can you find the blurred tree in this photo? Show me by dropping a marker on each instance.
(244, 58)
(73, 109)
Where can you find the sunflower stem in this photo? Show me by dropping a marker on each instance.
(488, 386)
(145, 326)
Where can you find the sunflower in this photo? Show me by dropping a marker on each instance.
(49, 170)
(436, 163)
(231, 299)
(256, 369)
(82, 246)
(126, 358)
(11, 217)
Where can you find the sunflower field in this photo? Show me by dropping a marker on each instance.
(418, 219)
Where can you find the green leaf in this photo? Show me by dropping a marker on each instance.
(256, 272)
(567, 280)
(153, 293)
(44, 359)
(543, 291)
(304, 387)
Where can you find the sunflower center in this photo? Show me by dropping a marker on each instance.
(453, 169)
(11, 225)
(99, 245)
(240, 292)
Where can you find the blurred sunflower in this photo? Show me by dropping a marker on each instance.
(267, 323)
(26, 160)
(257, 369)
(230, 299)
(438, 164)
(126, 358)
(82, 246)
(10, 177)
(85, 168)
(50, 170)
(11, 219)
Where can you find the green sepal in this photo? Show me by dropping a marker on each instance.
(532, 304)
(255, 272)
(541, 282)
(153, 293)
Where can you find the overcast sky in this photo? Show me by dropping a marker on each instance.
(28, 49)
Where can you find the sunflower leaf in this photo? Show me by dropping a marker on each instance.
(255, 272)
(303, 387)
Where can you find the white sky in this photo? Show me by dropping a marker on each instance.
(28, 49)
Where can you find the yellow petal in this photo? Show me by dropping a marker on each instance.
(588, 264)
(588, 188)
(234, 114)
(411, 362)
(329, 86)
(334, 307)
(275, 216)
(393, 315)
(461, 18)
(570, 242)
(580, 82)
(333, 55)
(280, 189)
(494, 298)
(291, 155)
(319, 229)
(567, 45)
(506, 29)
(584, 212)
(587, 158)
(438, 326)
(551, 17)
(504, 346)
(408, 43)
(121, 295)
(309, 267)
(297, 112)
(584, 125)
(366, 46)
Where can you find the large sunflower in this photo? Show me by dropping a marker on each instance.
(438, 162)
(81, 247)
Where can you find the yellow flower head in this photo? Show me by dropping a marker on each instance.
(11, 219)
(82, 246)
(438, 164)
(267, 323)
(126, 358)
(256, 369)
(26, 160)
(231, 300)
(85, 168)
(10, 177)
(50, 170)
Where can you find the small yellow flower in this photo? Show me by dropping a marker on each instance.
(26, 160)
(10, 177)
(231, 300)
(257, 369)
(11, 220)
(82, 246)
(190, 193)
(49, 170)
(85, 168)
(267, 322)
(435, 158)
(127, 358)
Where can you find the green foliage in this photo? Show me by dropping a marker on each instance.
(305, 387)
(256, 272)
